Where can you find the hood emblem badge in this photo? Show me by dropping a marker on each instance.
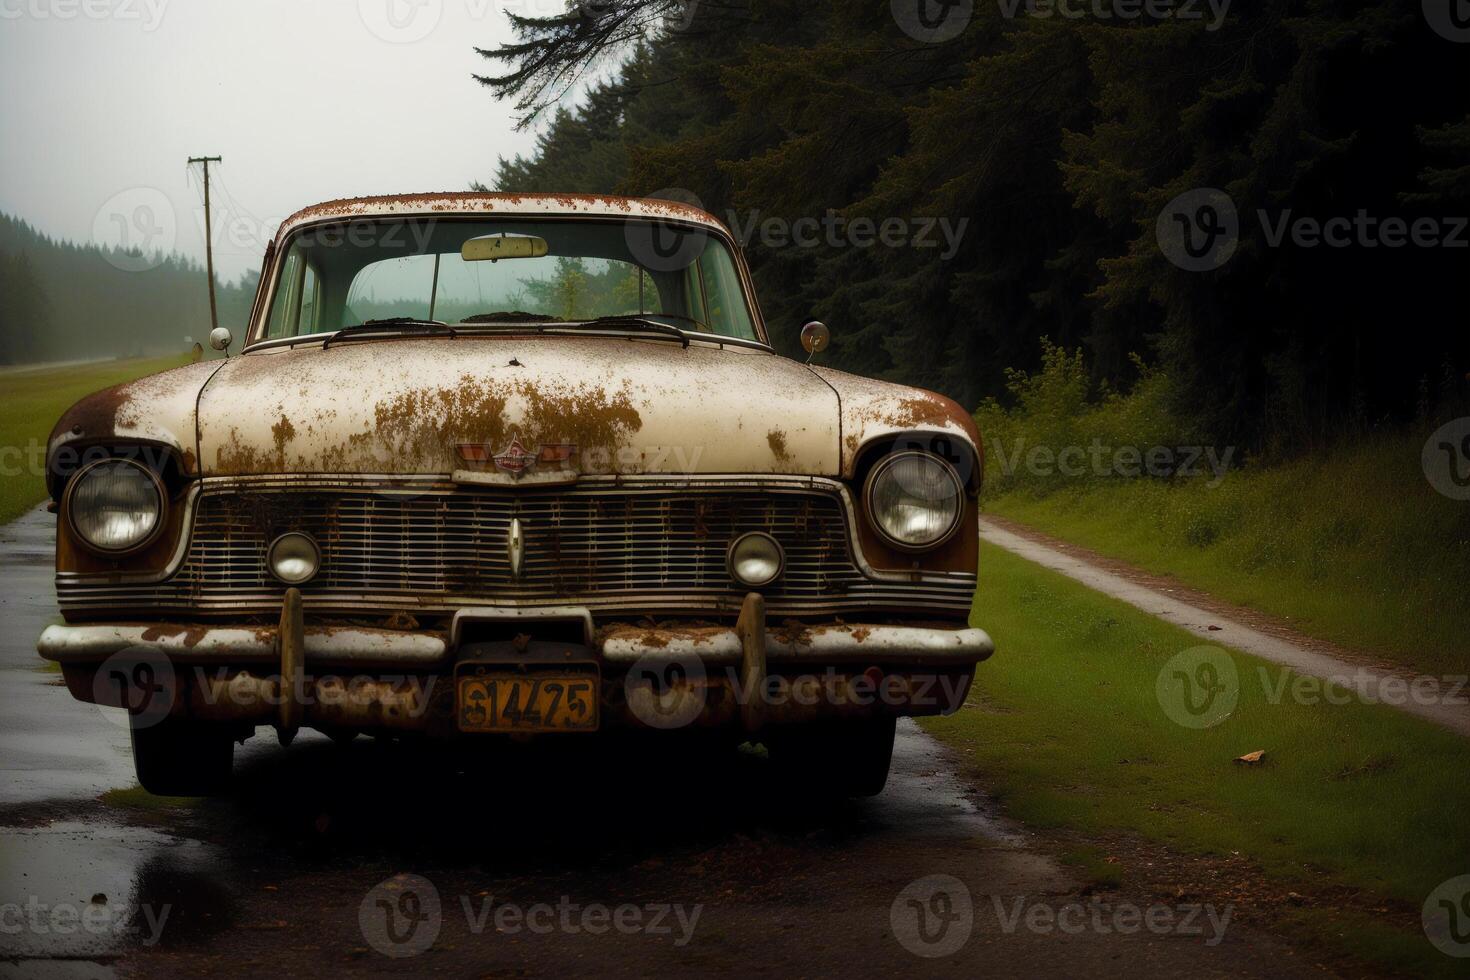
(515, 548)
(514, 459)
(553, 462)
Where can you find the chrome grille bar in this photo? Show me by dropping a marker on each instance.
(611, 545)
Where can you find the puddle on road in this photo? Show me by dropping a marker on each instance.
(55, 748)
(924, 797)
(928, 810)
(75, 895)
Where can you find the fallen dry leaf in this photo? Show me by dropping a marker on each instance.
(1252, 758)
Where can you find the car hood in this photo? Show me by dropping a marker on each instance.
(627, 405)
(403, 406)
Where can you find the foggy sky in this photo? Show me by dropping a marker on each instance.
(306, 100)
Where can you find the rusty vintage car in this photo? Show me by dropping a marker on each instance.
(490, 466)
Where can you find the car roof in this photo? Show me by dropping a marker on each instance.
(475, 202)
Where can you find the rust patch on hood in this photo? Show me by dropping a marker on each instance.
(425, 422)
(156, 409)
(283, 432)
(920, 410)
(585, 415)
(423, 425)
(873, 409)
(776, 439)
(95, 416)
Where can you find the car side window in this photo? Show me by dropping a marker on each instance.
(296, 308)
(723, 293)
(279, 324)
(311, 297)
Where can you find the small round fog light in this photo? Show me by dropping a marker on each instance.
(756, 559)
(294, 558)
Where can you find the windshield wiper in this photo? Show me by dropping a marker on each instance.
(509, 316)
(703, 327)
(636, 321)
(392, 322)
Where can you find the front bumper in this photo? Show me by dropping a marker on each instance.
(347, 678)
(624, 644)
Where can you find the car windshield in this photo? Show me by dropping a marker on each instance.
(513, 271)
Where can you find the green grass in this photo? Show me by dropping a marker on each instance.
(30, 404)
(1069, 732)
(1353, 546)
(1092, 865)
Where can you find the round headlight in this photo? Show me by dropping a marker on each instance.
(756, 559)
(294, 558)
(115, 505)
(915, 500)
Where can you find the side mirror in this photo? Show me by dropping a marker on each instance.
(815, 337)
(220, 338)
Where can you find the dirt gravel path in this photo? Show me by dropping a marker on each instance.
(1442, 700)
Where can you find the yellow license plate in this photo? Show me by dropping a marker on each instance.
(533, 702)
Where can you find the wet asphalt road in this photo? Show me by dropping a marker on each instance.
(629, 858)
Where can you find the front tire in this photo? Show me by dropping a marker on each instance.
(176, 757)
(848, 758)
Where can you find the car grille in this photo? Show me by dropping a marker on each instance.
(649, 549)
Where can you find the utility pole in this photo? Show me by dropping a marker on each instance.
(208, 238)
